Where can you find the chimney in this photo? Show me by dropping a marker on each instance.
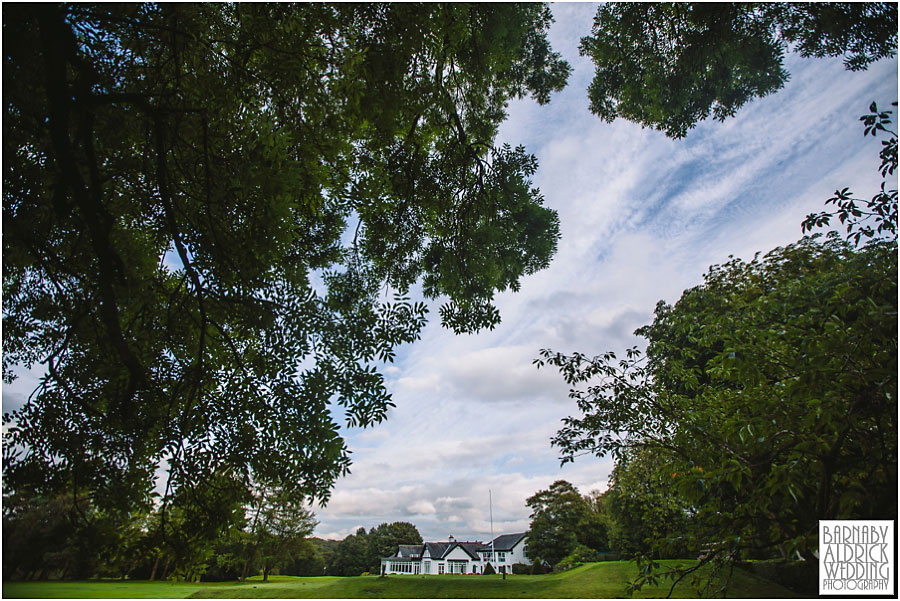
(451, 539)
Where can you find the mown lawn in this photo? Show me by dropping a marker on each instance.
(142, 589)
(599, 580)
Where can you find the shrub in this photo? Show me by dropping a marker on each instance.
(538, 567)
(579, 555)
(489, 569)
(365, 574)
(521, 568)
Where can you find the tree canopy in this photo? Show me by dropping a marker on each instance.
(351, 558)
(212, 214)
(561, 519)
(383, 541)
(645, 514)
(671, 65)
(768, 395)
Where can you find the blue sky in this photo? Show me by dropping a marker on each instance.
(642, 218)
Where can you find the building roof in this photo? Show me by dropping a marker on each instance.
(406, 552)
(442, 549)
(504, 542)
(439, 550)
(471, 548)
(410, 550)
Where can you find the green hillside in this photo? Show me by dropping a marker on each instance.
(598, 580)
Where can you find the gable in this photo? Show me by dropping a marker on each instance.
(457, 552)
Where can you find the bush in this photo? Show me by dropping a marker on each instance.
(365, 574)
(521, 568)
(489, 569)
(538, 567)
(579, 555)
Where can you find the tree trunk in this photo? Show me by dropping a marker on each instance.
(265, 573)
(166, 568)
(153, 570)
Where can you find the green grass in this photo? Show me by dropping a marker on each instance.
(598, 580)
(142, 589)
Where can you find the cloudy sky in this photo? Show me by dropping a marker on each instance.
(642, 218)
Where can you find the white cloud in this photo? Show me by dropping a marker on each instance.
(421, 507)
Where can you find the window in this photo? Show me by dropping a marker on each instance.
(440, 568)
(501, 556)
(404, 567)
(458, 566)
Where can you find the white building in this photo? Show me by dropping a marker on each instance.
(455, 557)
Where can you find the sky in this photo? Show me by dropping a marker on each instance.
(642, 219)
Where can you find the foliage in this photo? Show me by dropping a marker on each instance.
(189, 525)
(579, 555)
(212, 214)
(306, 561)
(768, 396)
(383, 540)
(351, 557)
(489, 569)
(644, 512)
(278, 524)
(228, 559)
(671, 65)
(879, 217)
(521, 568)
(328, 550)
(593, 529)
(561, 519)
(538, 567)
(61, 537)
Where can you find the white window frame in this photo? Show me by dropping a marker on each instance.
(458, 566)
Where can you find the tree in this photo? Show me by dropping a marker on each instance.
(212, 215)
(58, 537)
(351, 557)
(307, 561)
(384, 539)
(645, 514)
(593, 529)
(771, 392)
(328, 550)
(671, 65)
(561, 519)
(278, 524)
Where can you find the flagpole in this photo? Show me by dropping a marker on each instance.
(491, 509)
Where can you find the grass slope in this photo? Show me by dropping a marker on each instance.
(599, 580)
